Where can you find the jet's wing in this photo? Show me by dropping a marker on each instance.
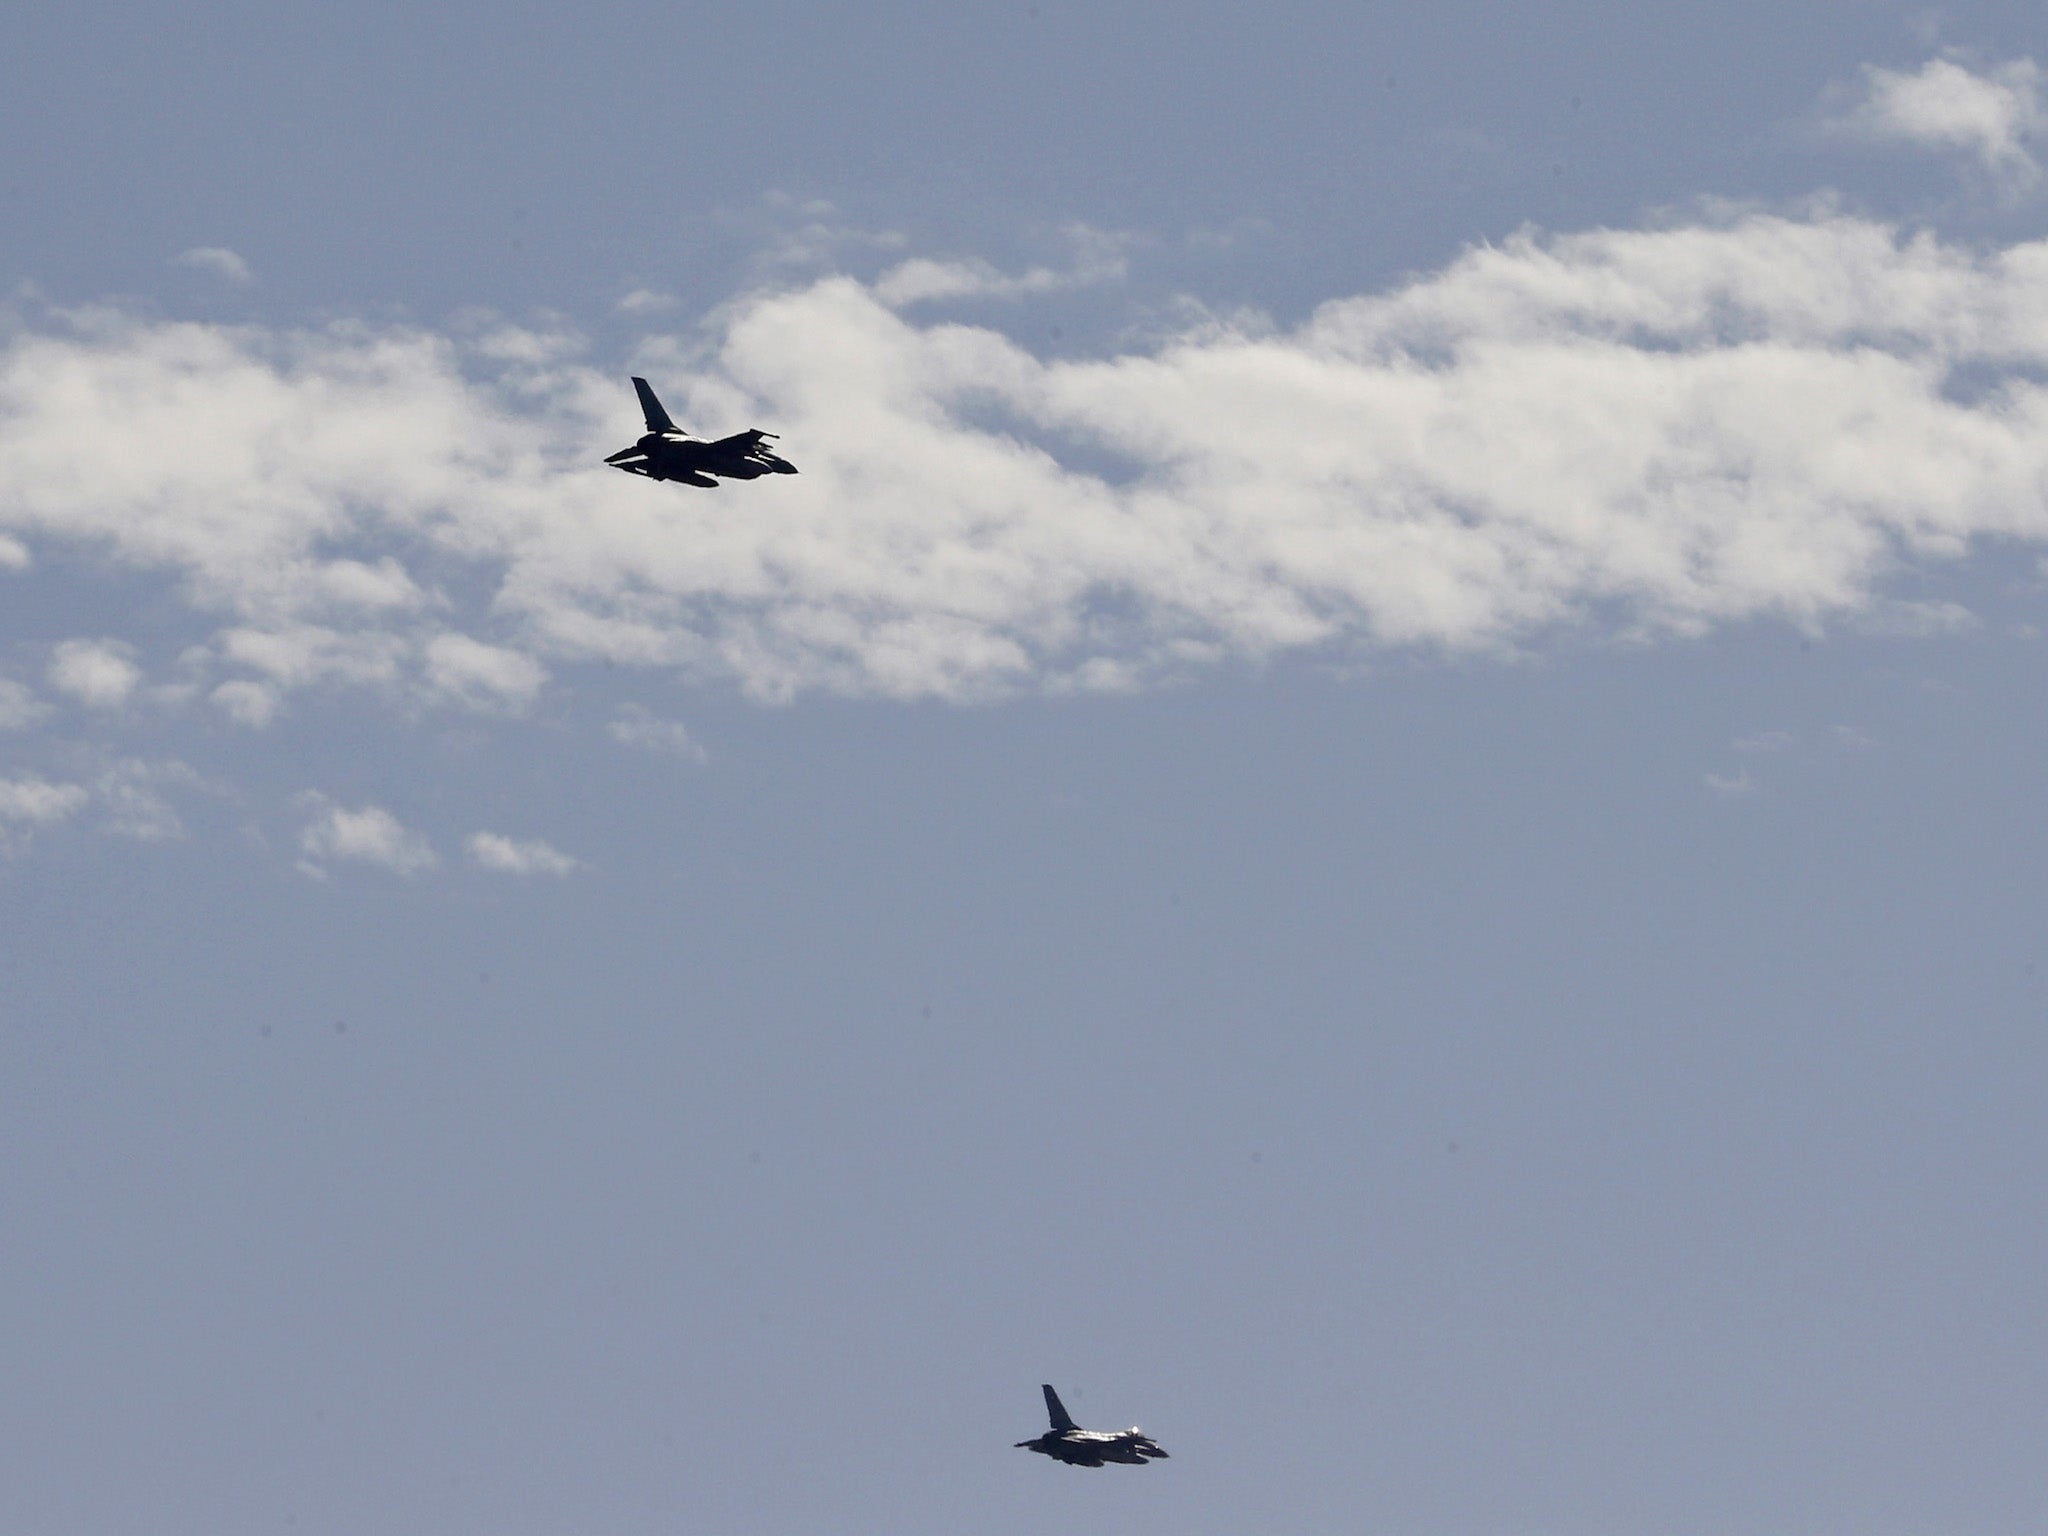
(742, 442)
(633, 461)
(657, 418)
(1057, 1410)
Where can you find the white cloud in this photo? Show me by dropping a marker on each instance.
(357, 584)
(296, 655)
(19, 707)
(645, 301)
(491, 338)
(1731, 786)
(1098, 258)
(1627, 432)
(129, 793)
(796, 234)
(1993, 116)
(371, 835)
(482, 676)
(29, 803)
(33, 801)
(490, 850)
(247, 703)
(922, 279)
(637, 726)
(99, 673)
(217, 260)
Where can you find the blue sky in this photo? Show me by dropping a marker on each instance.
(1374, 803)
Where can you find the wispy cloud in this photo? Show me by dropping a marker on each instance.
(805, 234)
(509, 856)
(635, 725)
(131, 799)
(1995, 115)
(1731, 786)
(218, 261)
(1634, 432)
(248, 702)
(368, 835)
(296, 655)
(19, 706)
(123, 796)
(33, 801)
(645, 301)
(99, 673)
(1098, 258)
(483, 676)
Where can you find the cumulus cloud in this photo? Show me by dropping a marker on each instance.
(1731, 786)
(794, 234)
(1617, 432)
(101, 674)
(29, 803)
(1995, 116)
(506, 856)
(369, 835)
(482, 676)
(1098, 258)
(635, 725)
(33, 801)
(247, 702)
(296, 655)
(218, 261)
(130, 796)
(19, 707)
(645, 301)
(355, 584)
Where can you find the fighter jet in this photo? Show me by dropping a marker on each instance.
(669, 453)
(1078, 1447)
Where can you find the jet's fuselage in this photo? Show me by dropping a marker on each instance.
(666, 452)
(1094, 1447)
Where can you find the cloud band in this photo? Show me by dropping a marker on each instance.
(1650, 431)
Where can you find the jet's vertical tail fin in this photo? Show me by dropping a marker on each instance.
(1057, 1410)
(657, 418)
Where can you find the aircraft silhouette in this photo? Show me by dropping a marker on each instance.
(1077, 1447)
(669, 453)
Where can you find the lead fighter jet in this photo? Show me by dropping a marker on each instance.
(669, 453)
(1077, 1447)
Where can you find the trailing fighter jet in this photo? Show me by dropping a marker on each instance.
(669, 453)
(1078, 1447)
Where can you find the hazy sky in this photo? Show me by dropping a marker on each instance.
(1376, 802)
